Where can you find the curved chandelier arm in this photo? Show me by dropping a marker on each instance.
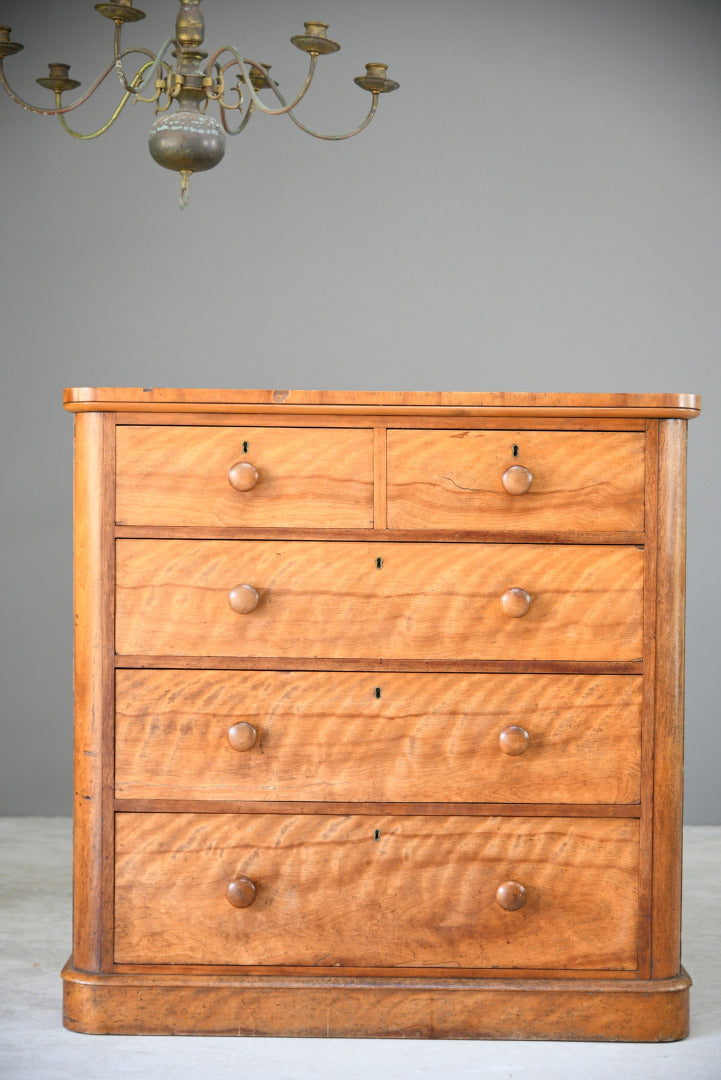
(160, 87)
(285, 108)
(119, 69)
(216, 92)
(343, 135)
(121, 105)
(61, 109)
(157, 58)
(56, 111)
(243, 122)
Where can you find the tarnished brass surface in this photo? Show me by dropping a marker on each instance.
(375, 80)
(315, 40)
(258, 75)
(186, 141)
(122, 11)
(8, 47)
(190, 25)
(57, 79)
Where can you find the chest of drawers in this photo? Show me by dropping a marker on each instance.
(378, 714)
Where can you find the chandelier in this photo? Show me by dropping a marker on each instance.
(186, 139)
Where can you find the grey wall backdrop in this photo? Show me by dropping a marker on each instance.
(539, 208)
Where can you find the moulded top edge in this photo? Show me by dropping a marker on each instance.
(165, 399)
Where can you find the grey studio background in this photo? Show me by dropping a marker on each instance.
(538, 208)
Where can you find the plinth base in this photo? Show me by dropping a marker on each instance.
(616, 1010)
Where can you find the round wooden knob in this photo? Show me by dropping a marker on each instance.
(514, 740)
(243, 599)
(510, 896)
(517, 479)
(242, 736)
(243, 476)
(241, 892)
(515, 602)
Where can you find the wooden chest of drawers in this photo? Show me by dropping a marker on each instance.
(378, 714)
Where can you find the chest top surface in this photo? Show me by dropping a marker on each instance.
(138, 399)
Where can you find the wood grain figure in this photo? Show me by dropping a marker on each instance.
(367, 737)
(421, 601)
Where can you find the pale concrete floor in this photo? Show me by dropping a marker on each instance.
(35, 942)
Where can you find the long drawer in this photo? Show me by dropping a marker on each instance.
(376, 891)
(370, 737)
(390, 600)
(238, 476)
(511, 480)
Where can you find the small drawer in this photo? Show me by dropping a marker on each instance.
(405, 601)
(347, 736)
(235, 476)
(376, 891)
(515, 480)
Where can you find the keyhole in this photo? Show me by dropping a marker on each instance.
(379, 563)
(245, 447)
(377, 691)
(514, 450)
(377, 834)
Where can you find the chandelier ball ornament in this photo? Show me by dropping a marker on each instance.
(180, 73)
(186, 141)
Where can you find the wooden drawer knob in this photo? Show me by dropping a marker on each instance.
(243, 476)
(514, 740)
(515, 602)
(510, 896)
(517, 479)
(243, 599)
(242, 736)
(241, 892)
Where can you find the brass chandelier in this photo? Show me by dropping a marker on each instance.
(187, 140)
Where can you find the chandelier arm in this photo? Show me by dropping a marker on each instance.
(219, 96)
(52, 112)
(165, 70)
(109, 123)
(155, 58)
(158, 107)
(60, 110)
(345, 134)
(285, 107)
(119, 69)
(243, 122)
(211, 93)
(101, 131)
(235, 89)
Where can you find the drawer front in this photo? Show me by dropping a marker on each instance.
(368, 737)
(310, 477)
(396, 601)
(579, 481)
(376, 891)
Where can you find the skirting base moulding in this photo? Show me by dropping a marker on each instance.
(378, 714)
